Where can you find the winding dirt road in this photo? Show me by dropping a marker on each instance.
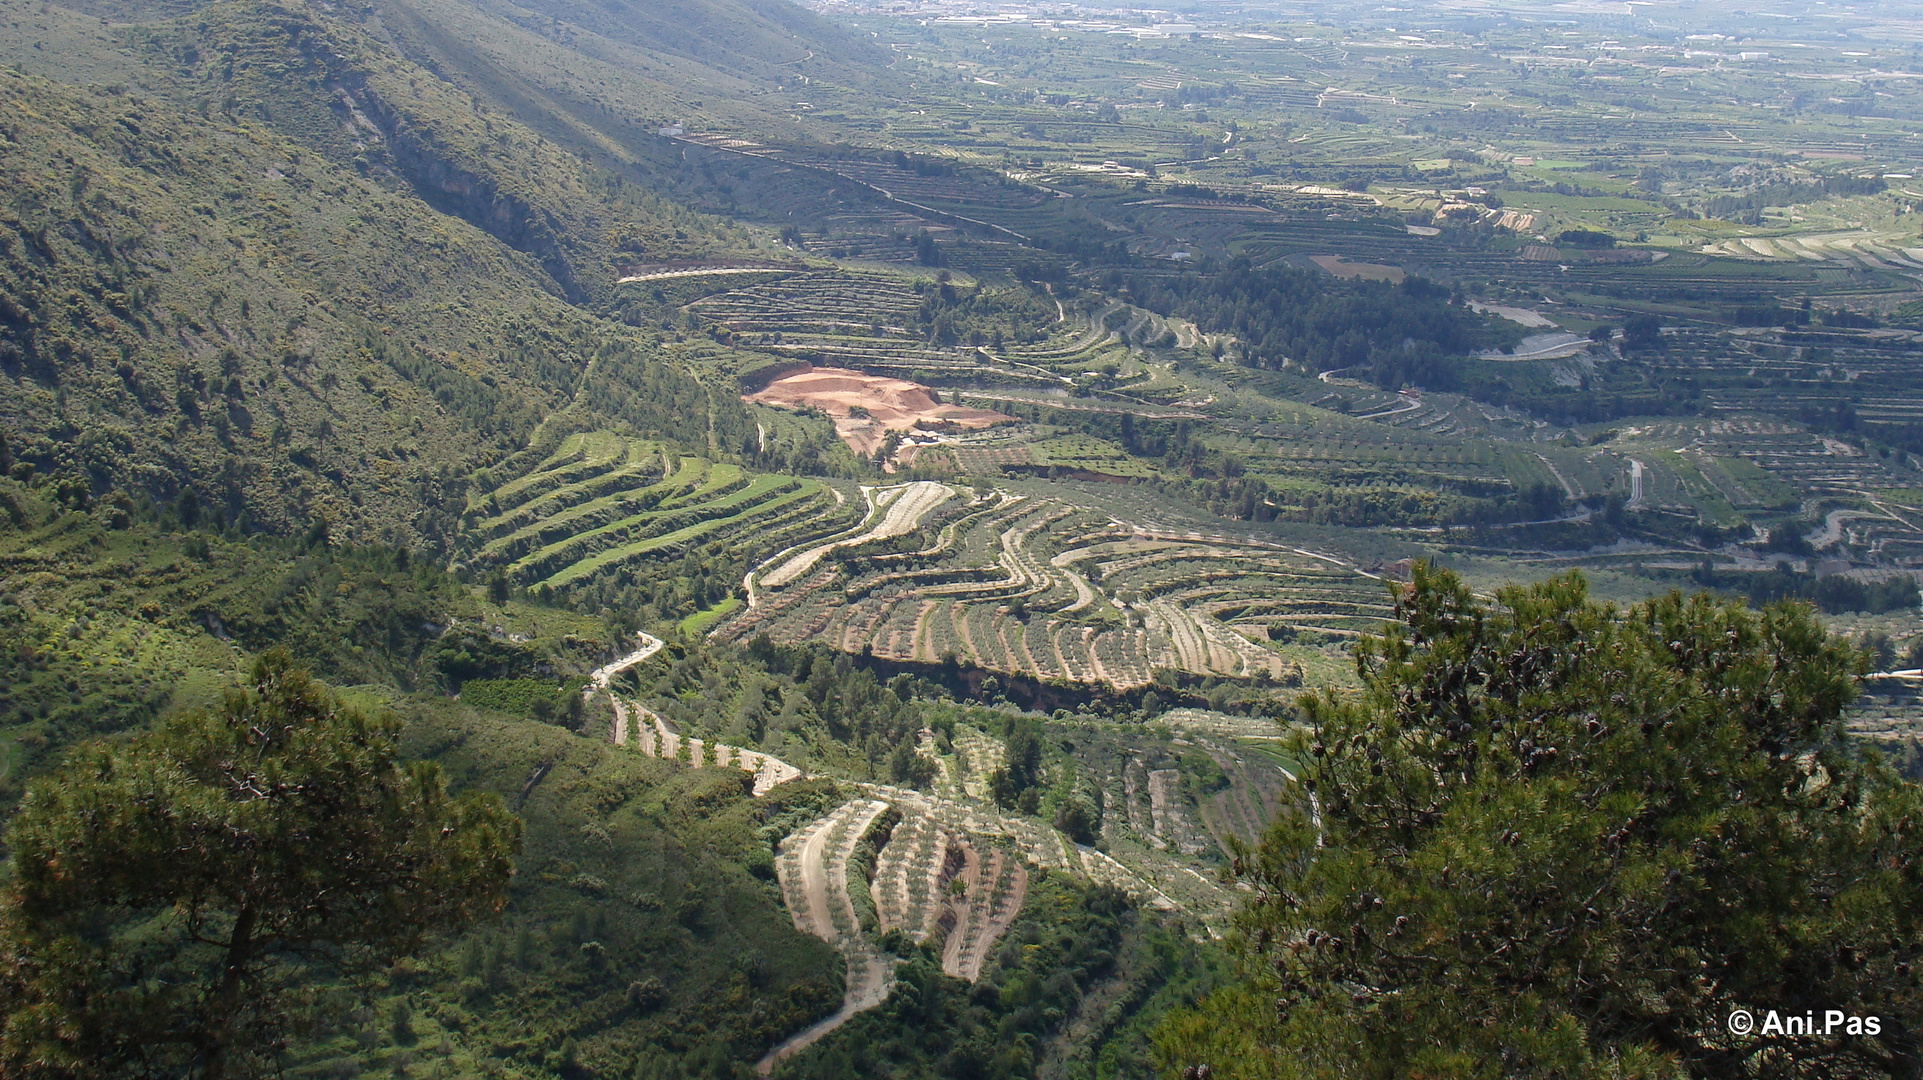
(814, 875)
(895, 511)
(602, 676)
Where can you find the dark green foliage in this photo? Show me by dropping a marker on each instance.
(538, 698)
(335, 273)
(861, 868)
(1078, 820)
(1748, 205)
(1403, 333)
(1642, 332)
(808, 704)
(927, 252)
(976, 315)
(466, 653)
(267, 429)
(1834, 593)
(1559, 839)
(909, 768)
(1837, 593)
(1014, 785)
(643, 927)
(1879, 651)
(1201, 774)
(104, 629)
(357, 614)
(1585, 238)
(176, 897)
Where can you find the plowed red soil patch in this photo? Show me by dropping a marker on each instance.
(890, 405)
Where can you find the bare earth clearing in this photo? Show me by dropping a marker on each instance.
(890, 405)
(1343, 268)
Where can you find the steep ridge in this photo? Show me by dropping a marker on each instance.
(336, 86)
(278, 383)
(670, 60)
(309, 278)
(223, 302)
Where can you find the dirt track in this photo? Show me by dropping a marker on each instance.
(813, 868)
(900, 509)
(604, 675)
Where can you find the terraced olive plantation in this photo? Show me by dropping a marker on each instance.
(895, 867)
(890, 322)
(602, 504)
(1052, 590)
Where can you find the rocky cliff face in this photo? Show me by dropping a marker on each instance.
(436, 174)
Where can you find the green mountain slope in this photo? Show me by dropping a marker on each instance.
(334, 301)
(643, 931)
(601, 78)
(335, 87)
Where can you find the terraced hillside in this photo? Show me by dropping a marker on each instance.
(602, 503)
(1050, 589)
(655, 738)
(952, 868)
(946, 871)
(896, 864)
(815, 304)
(932, 882)
(884, 322)
(812, 865)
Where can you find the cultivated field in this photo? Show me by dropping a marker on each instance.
(1052, 590)
(601, 504)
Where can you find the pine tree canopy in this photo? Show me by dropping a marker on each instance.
(179, 899)
(1550, 837)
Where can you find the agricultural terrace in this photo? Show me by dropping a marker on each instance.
(936, 868)
(812, 866)
(602, 503)
(1163, 800)
(946, 866)
(871, 319)
(898, 860)
(1051, 590)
